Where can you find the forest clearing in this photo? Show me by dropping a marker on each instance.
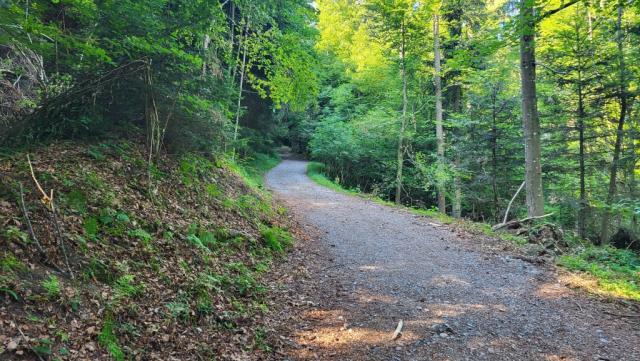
(319, 180)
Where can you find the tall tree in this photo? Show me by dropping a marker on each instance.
(622, 99)
(530, 121)
(437, 79)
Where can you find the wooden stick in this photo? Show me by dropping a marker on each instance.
(398, 331)
(506, 214)
(45, 198)
(502, 225)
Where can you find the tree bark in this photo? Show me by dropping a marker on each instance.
(613, 172)
(240, 86)
(442, 206)
(582, 206)
(530, 121)
(403, 119)
(494, 152)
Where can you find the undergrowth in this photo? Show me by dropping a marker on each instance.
(188, 250)
(616, 272)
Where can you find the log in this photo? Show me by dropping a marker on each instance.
(516, 221)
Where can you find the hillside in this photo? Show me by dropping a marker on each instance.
(164, 268)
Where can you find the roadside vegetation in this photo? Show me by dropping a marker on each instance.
(601, 270)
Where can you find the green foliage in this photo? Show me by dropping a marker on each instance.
(125, 287)
(77, 200)
(90, 226)
(617, 271)
(43, 347)
(276, 238)
(9, 263)
(108, 339)
(14, 234)
(52, 287)
(142, 235)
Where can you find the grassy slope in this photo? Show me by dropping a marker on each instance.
(172, 268)
(605, 271)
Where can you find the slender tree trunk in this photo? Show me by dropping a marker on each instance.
(442, 206)
(604, 228)
(240, 88)
(582, 210)
(403, 119)
(530, 121)
(582, 206)
(494, 154)
(456, 209)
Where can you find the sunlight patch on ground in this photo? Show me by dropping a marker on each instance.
(447, 280)
(369, 268)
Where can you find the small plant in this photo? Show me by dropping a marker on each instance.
(90, 226)
(99, 271)
(52, 287)
(43, 347)
(77, 200)
(7, 288)
(107, 339)
(276, 238)
(213, 191)
(260, 339)
(142, 235)
(126, 288)
(10, 263)
(13, 233)
(179, 308)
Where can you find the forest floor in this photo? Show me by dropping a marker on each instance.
(366, 266)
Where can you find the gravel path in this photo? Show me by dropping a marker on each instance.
(373, 265)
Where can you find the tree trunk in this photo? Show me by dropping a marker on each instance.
(403, 119)
(582, 206)
(240, 86)
(494, 153)
(530, 121)
(604, 228)
(442, 206)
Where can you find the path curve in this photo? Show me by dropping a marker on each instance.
(457, 302)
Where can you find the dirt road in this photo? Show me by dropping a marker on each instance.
(372, 265)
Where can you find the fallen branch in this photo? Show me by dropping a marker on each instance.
(506, 214)
(47, 200)
(398, 331)
(29, 226)
(630, 315)
(43, 253)
(24, 337)
(516, 221)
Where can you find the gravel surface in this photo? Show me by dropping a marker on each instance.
(370, 266)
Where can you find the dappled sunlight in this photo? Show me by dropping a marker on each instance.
(369, 268)
(332, 337)
(551, 290)
(453, 310)
(370, 298)
(448, 280)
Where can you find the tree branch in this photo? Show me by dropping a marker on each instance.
(558, 9)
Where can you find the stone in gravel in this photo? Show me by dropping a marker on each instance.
(442, 328)
(12, 345)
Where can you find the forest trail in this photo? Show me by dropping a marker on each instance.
(372, 265)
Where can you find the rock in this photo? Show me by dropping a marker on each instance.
(534, 249)
(444, 335)
(12, 345)
(441, 328)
